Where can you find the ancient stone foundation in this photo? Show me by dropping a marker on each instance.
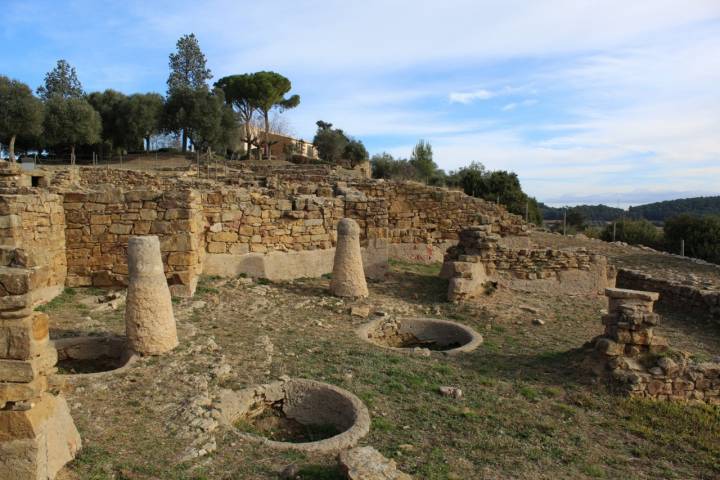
(482, 257)
(348, 276)
(37, 434)
(639, 362)
(149, 318)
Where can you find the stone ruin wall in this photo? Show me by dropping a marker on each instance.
(281, 232)
(639, 362)
(99, 225)
(421, 214)
(32, 237)
(673, 293)
(481, 257)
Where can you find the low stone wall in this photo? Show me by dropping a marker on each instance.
(672, 293)
(99, 225)
(480, 257)
(278, 266)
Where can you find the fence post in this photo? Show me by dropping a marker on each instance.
(682, 247)
(564, 221)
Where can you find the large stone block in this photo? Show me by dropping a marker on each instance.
(28, 370)
(36, 443)
(17, 392)
(23, 338)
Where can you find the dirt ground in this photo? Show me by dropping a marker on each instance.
(528, 412)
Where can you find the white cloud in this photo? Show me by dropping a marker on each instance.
(628, 90)
(469, 97)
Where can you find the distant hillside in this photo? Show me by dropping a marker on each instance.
(591, 213)
(660, 211)
(655, 212)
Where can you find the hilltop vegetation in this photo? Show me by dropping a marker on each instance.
(661, 211)
(654, 212)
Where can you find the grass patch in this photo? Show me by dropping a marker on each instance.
(66, 298)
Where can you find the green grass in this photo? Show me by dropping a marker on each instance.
(66, 298)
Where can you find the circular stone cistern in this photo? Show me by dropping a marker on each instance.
(295, 414)
(421, 335)
(92, 356)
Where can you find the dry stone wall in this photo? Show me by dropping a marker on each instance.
(99, 225)
(32, 236)
(480, 257)
(421, 214)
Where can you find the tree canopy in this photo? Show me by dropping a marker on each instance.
(20, 113)
(330, 142)
(61, 81)
(188, 74)
(144, 114)
(71, 122)
(496, 186)
(422, 160)
(271, 90)
(355, 152)
(202, 114)
(188, 66)
(112, 107)
(241, 92)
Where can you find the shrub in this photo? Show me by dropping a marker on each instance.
(634, 232)
(701, 236)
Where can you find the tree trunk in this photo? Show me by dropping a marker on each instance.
(72, 155)
(11, 148)
(148, 143)
(267, 135)
(184, 140)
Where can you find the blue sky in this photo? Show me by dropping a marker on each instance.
(588, 101)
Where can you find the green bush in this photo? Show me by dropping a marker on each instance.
(701, 236)
(634, 232)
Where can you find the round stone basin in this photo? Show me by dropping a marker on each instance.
(421, 334)
(92, 356)
(295, 414)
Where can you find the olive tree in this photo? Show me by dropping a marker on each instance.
(20, 112)
(71, 122)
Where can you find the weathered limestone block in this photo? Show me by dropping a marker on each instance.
(149, 318)
(36, 443)
(366, 463)
(348, 276)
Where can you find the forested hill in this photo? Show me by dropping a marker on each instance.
(591, 213)
(655, 212)
(660, 211)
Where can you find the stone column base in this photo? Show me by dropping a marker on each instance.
(36, 443)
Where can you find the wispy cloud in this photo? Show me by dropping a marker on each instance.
(582, 99)
(469, 97)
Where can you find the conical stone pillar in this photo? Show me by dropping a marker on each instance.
(348, 276)
(149, 319)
